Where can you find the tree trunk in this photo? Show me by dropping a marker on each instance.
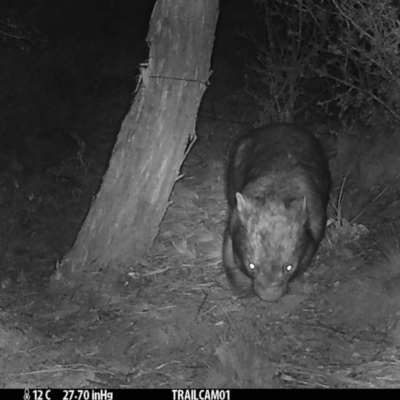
(125, 215)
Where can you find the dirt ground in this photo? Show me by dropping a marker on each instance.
(175, 323)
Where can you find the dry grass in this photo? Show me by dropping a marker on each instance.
(240, 365)
(12, 341)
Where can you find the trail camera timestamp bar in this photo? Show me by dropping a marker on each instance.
(110, 394)
(70, 394)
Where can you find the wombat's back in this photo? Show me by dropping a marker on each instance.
(278, 154)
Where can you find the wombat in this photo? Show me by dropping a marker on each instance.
(278, 185)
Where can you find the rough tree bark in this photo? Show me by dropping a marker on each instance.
(124, 218)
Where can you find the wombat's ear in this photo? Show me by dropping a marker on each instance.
(299, 205)
(244, 205)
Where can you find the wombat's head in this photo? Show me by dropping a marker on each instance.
(269, 242)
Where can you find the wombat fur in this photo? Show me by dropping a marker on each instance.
(278, 185)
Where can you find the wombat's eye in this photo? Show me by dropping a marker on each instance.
(288, 268)
(252, 267)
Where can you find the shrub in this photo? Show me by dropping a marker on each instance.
(342, 53)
